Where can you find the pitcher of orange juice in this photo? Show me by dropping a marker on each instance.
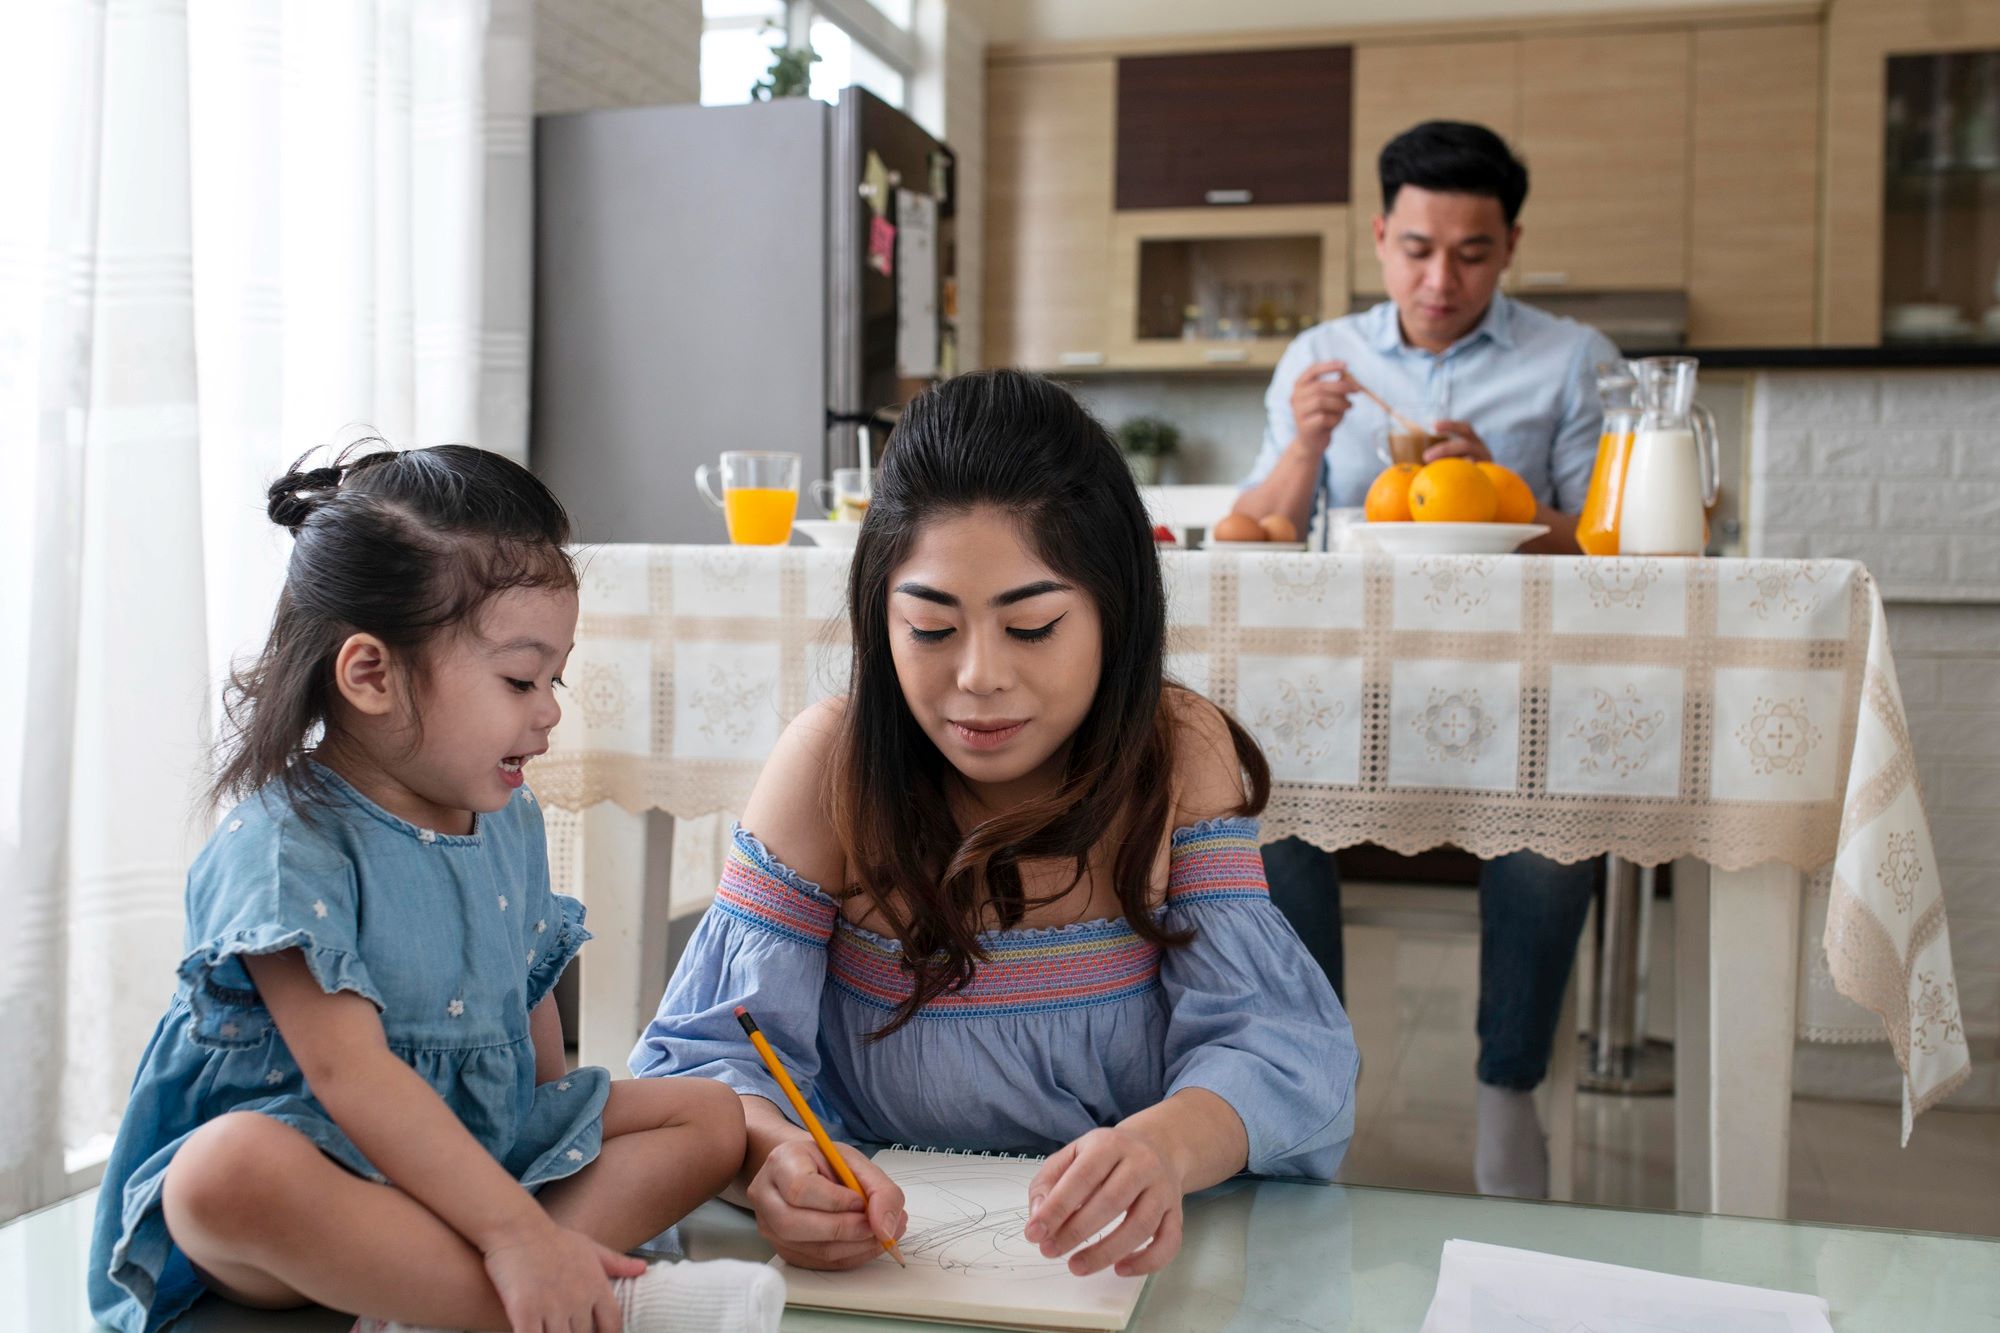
(760, 496)
(1618, 390)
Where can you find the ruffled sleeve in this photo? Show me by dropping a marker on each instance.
(761, 945)
(267, 882)
(566, 935)
(1253, 1019)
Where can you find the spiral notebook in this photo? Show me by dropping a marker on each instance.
(968, 1262)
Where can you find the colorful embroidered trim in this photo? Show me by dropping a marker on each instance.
(1215, 861)
(1037, 971)
(752, 894)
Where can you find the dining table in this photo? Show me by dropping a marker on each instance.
(1740, 719)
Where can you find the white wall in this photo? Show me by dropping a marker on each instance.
(1102, 20)
(592, 54)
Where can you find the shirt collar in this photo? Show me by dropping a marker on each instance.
(1385, 334)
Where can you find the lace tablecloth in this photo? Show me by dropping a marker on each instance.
(1739, 712)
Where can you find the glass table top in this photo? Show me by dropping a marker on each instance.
(1270, 1254)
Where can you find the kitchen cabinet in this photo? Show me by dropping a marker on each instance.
(1753, 215)
(1397, 85)
(1863, 37)
(1048, 213)
(1234, 128)
(1196, 288)
(1604, 130)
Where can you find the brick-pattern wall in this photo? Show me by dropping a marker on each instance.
(592, 54)
(1901, 470)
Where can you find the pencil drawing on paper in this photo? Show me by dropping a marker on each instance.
(966, 1218)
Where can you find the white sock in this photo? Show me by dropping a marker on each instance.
(1512, 1157)
(717, 1296)
(714, 1296)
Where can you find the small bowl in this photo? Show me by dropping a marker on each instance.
(826, 532)
(1444, 538)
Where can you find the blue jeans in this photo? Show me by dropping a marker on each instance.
(1531, 911)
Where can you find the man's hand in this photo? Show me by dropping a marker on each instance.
(1319, 402)
(1460, 441)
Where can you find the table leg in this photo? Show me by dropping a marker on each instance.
(611, 882)
(1691, 1164)
(1753, 928)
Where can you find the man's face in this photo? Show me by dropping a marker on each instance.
(1442, 256)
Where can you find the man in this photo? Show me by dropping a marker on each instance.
(1501, 381)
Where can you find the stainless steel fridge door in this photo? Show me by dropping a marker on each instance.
(862, 300)
(680, 308)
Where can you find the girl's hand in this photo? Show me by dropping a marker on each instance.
(559, 1281)
(815, 1221)
(1086, 1185)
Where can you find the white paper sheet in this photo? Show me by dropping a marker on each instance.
(1494, 1289)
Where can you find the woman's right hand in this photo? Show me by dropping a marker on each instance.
(559, 1281)
(815, 1221)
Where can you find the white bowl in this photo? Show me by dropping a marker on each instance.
(1444, 538)
(1213, 545)
(826, 532)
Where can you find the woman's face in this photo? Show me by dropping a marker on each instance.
(998, 655)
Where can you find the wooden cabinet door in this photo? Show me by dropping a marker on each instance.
(1604, 130)
(1048, 213)
(1753, 216)
(1405, 83)
(1234, 127)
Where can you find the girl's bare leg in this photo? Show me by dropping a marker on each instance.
(275, 1223)
(669, 1144)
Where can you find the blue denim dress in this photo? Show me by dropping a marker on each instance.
(1060, 1031)
(454, 939)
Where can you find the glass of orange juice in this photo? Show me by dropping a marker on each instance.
(760, 495)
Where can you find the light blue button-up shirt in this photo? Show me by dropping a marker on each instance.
(1525, 379)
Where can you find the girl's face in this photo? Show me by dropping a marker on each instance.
(487, 706)
(997, 654)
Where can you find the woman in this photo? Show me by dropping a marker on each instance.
(1006, 894)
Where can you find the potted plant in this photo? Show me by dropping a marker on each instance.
(790, 74)
(1147, 442)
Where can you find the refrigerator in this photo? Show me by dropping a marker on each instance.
(776, 276)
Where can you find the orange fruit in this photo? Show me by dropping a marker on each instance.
(1389, 497)
(1453, 490)
(1517, 502)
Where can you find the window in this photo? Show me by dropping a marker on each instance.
(844, 61)
(737, 38)
(864, 43)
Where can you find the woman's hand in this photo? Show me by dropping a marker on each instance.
(555, 1280)
(815, 1221)
(1085, 1186)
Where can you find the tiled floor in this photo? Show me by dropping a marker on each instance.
(1413, 1000)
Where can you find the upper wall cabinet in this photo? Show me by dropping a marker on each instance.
(1238, 127)
(1604, 130)
(1403, 84)
(1753, 216)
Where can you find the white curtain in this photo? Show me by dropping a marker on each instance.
(231, 230)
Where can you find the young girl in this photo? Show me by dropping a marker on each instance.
(358, 1095)
(1006, 894)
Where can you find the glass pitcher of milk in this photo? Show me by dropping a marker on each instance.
(1671, 479)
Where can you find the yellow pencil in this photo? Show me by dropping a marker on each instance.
(810, 1120)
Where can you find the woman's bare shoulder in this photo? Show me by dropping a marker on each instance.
(1208, 774)
(787, 811)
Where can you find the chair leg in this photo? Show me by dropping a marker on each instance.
(1557, 1097)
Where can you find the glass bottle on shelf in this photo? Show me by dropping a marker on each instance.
(1225, 318)
(1191, 321)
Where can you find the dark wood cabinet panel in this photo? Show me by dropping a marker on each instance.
(1255, 127)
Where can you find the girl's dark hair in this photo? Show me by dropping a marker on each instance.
(1023, 445)
(1453, 157)
(402, 545)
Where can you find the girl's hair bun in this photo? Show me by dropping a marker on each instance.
(294, 496)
